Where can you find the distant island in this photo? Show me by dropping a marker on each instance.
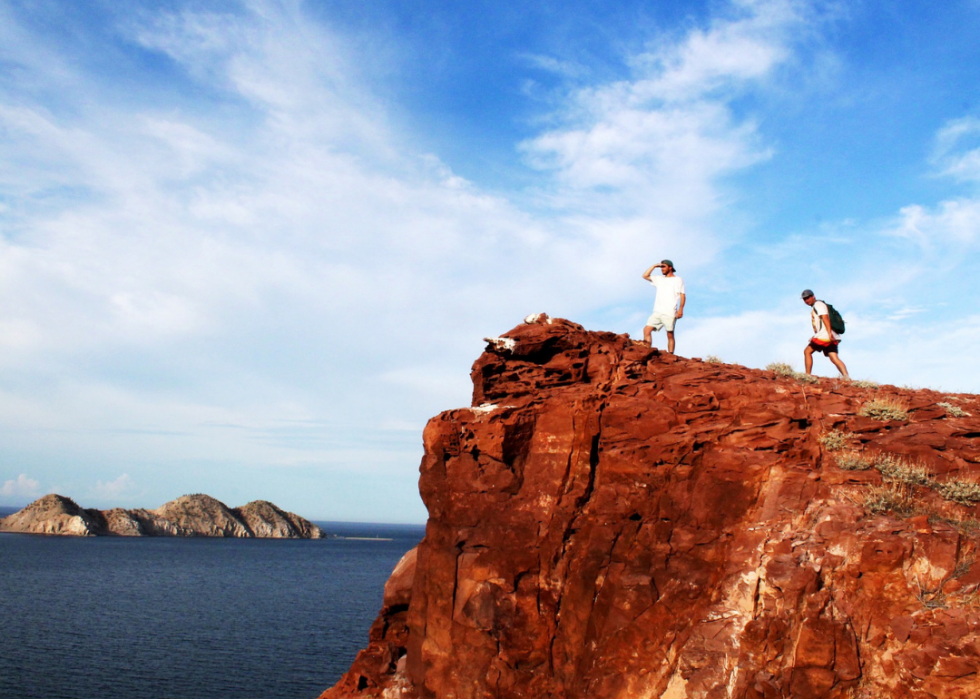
(189, 515)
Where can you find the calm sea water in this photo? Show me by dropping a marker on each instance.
(107, 618)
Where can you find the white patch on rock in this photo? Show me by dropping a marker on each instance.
(502, 343)
(401, 686)
(537, 318)
(484, 408)
(925, 574)
(545, 502)
(677, 687)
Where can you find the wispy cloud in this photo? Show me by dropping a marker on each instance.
(953, 221)
(719, 59)
(953, 155)
(952, 225)
(550, 64)
(670, 129)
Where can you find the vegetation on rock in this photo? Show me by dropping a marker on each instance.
(884, 409)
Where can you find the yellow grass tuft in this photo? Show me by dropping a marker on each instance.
(953, 410)
(784, 369)
(902, 470)
(885, 409)
(890, 497)
(835, 440)
(853, 461)
(864, 383)
(959, 491)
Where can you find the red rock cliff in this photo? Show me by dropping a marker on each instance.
(610, 521)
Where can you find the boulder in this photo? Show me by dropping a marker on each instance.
(609, 521)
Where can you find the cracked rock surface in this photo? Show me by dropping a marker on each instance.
(616, 522)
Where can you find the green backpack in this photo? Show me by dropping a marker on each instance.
(836, 320)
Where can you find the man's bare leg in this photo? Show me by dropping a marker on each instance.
(808, 359)
(648, 334)
(670, 341)
(839, 364)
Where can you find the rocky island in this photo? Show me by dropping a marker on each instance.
(608, 521)
(189, 515)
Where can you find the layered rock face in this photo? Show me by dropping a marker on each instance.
(610, 521)
(188, 515)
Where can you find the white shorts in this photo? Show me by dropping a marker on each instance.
(662, 320)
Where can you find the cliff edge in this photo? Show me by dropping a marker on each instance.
(610, 521)
(188, 515)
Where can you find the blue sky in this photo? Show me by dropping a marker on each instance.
(249, 248)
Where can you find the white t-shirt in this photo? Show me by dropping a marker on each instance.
(669, 290)
(819, 330)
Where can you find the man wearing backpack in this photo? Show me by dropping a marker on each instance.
(669, 306)
(825, 339)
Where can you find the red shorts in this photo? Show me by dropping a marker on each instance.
(824, 346)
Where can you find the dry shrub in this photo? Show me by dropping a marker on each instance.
(962, 492)
(864, 383)
(890, 497)
(898, 469)
(853, 461)
(902, 470)
(784, 369)
(713, 359)
(781, 368)
(835, 440)
(953, 410)
(885, 409)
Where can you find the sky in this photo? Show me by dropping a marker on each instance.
(249, 248)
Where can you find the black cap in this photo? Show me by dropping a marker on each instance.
(806, 294)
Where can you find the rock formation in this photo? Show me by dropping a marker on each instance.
(610, 521)
(266, 521)
(53, 514)
(189, 515)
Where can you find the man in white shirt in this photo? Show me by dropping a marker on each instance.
(669, 306)
(824, 339)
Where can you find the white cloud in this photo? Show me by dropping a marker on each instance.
(21, 487)
(732, 51)
(663, 138)
(121, 487)
(954, 221)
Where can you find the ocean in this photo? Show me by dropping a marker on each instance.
(168, 618)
